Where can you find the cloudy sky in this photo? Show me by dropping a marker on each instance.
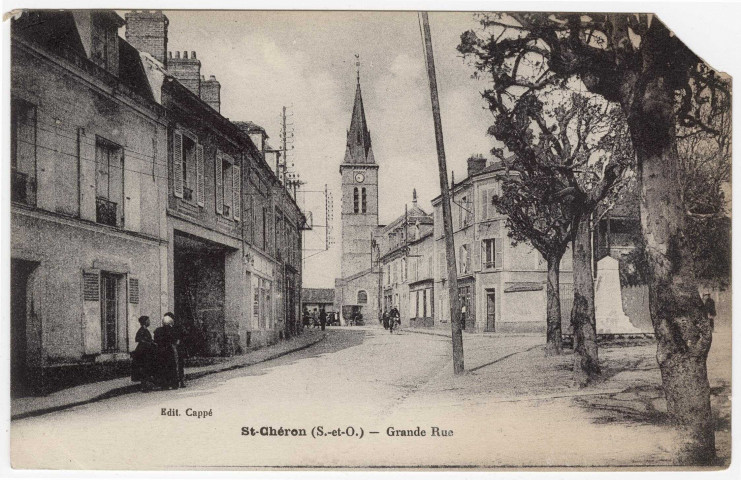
(306, 60)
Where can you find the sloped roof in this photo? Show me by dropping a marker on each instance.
(317, 295)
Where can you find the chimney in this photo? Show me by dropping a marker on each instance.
(476, 164)
(147, 32)
(414, 198)
(186, 70)
(211, 92)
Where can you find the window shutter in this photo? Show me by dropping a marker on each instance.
(219, 184)
(237, 191)
(484, 204)
(91, 328)
(177, 164)
(200, 181)
(134, 310)
(498, 253)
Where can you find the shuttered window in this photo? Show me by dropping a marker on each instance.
(134, 291)
(177, 164)
(219, 184)
(200, 177)
(237, 192)
(498, 254)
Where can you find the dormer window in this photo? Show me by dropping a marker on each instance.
(101, 44)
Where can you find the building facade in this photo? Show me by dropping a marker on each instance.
(89, 184)
(234, 258)
(406, 266)
(501, 286)
(132, 195)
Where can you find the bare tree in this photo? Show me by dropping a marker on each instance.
(636, 61)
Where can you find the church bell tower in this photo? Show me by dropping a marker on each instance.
(359, 193)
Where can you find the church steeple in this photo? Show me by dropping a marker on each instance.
(358, 137)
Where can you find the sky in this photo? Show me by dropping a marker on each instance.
(306, 61)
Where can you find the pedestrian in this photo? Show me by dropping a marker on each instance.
(395, 321)
(167, 353)
(143, 357)
(181, 335)
(710, 312)
(323, 318)
(305, 317)
(385, 318)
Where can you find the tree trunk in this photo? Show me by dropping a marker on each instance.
(553, 319)
(683, 331)
(583, 323)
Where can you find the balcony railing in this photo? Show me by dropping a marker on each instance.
(106, 211)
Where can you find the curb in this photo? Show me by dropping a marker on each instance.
(134, 387)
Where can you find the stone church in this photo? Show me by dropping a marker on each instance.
(356, 291)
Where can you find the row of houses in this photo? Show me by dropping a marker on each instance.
(502, 286)
(132, 195)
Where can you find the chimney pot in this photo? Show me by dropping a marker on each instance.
(169, 54)
(212, 77)
(177, 54)
(193, 54)
(185, 53)
(203, 78)
(476, 164)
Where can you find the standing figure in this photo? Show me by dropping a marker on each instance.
(395, 319)
(385, 318)
(322, 318)
(709, 305)
(167, 353)
(143, 357)
(180, 335)
(305, 317)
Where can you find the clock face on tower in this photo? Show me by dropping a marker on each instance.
(359, 177)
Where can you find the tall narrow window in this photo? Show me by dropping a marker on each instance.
(356, 201)
(364, 204)
(226, 185)
(109, 311)
(264, 228)
(23, 152)
(188, 165)
(109, 183)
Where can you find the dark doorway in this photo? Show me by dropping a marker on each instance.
(491, 311)
(200, 295)
(21, 307)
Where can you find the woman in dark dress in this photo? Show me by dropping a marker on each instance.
(143, 357)
(167, 353)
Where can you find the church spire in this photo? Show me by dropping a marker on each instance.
(358, 137)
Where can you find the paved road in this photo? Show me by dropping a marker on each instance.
(355, 378)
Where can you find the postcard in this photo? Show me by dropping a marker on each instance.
(353, 240)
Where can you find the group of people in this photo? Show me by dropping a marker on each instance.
(319, 320)
(391, 319)
(159, 361)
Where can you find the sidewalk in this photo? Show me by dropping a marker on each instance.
(445, 332)
(93, 392)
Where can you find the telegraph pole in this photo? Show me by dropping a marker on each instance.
(455, 321)
(282, 173)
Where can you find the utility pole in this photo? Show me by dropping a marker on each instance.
(455, 321)
(282, 175)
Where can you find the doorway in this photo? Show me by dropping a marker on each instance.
(21, 309)
(491, 309)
